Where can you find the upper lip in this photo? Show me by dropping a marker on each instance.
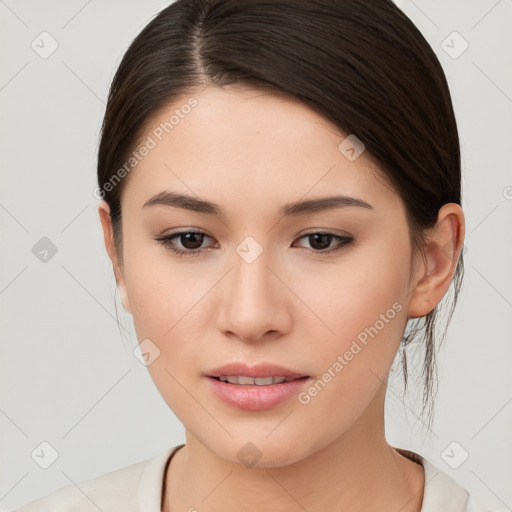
(259, 370)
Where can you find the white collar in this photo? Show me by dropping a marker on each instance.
(441, 492)
(151, 484)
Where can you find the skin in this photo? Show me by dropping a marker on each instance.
(251, 152)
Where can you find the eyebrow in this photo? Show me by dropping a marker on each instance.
(306, 207)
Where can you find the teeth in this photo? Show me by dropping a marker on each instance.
(259, 381)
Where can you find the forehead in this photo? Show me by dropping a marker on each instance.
(246, 146)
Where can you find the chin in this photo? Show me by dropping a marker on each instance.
(260, 452)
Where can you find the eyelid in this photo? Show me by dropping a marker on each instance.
(166, 240)
(345, 239)
(324, 231)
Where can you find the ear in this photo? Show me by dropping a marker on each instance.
(108, 236)
(434, 273)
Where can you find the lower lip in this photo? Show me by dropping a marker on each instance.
(254, 397)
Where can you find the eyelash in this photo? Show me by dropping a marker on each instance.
(166, 242)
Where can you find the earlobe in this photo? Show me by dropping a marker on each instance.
(124, 297)
(108, 237)
(441, 253)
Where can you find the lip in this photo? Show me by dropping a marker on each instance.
(253, 397)
(256, 398)
(259, 370)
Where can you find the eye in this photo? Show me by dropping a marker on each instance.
(320, 242)
(191, 242)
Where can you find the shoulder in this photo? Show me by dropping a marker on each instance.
(102, 493)
(119, 490)
(441, 491)
(447, 492)
(473, 506)
(87, 496)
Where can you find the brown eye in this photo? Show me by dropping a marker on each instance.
(189, 242)
(321, 242)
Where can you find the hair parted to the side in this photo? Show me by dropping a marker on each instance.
(362, 64)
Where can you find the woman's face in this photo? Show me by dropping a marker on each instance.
(256, 289)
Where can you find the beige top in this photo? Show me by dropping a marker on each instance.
(139, 487)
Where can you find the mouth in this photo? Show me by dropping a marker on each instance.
(260, 374)
(243, 380)
(255, 387)
(256, 393)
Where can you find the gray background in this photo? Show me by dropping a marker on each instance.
(67, 377)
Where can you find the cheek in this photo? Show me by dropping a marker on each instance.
(171, 306)
(367, 315)
(352, 293)
(361, 309)
(164, 300)
(167, 310)
(161, 290)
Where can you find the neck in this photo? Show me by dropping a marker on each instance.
(358, 471)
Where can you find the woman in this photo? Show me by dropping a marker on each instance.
(280, 200)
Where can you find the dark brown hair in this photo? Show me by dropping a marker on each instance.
(362, 64)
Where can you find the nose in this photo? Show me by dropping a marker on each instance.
(254, 303)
